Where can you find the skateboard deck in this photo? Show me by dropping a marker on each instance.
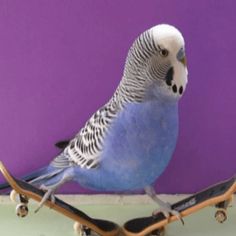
(219, 195)
(27, 191)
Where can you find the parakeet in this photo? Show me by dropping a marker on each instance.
(127, 144)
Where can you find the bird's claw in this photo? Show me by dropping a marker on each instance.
(49, 194)
(167, 211)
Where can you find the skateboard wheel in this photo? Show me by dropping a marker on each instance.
(81, 230)
(77, 226)
(22, 210)
(158, 232)
(14, 196)
(221, 215)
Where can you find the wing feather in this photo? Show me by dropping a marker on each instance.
(85, 148)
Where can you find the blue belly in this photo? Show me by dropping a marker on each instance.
(137, 149)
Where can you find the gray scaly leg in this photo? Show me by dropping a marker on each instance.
(165, 207)
(50, 191)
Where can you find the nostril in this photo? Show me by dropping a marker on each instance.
(181, 90)
(174, 88)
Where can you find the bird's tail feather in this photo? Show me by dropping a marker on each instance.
(45, 176)
(35, 177)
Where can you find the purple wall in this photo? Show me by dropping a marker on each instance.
(61, 60)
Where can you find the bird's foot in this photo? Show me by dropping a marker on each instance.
(167, 211)
(49, 194)
(165, 207)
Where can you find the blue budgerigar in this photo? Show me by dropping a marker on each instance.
(127, 144)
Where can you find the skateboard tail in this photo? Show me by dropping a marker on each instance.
(102, 227)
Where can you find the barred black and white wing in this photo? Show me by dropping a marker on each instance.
(85, 149)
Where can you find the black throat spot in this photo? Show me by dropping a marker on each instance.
(169, 76)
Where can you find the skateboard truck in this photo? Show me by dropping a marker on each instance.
(22, 209)
(81, 229)
(221, 213)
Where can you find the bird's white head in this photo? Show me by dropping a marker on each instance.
(156, 63)
(170, 43)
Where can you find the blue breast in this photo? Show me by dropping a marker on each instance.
(137, 149)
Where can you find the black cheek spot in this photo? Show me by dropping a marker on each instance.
(181, 90)
(174, 88)
(168, 82)
(169, 76)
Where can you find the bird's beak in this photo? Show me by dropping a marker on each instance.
(183, 61)
(181, 57)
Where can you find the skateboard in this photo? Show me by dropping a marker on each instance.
(219, 195)
(85, 225)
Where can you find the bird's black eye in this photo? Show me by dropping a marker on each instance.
(164, 52)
